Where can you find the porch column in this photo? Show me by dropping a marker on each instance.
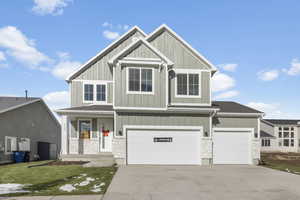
(64, 134)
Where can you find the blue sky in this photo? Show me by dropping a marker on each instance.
(255, 44)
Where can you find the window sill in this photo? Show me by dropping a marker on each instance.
(146, 93)
(188, 96)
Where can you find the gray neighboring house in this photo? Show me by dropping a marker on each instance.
(23, 123)
(280, 135)
(146, 99)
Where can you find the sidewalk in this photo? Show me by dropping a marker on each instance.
(66, 197)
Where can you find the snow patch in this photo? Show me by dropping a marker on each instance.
(87, 181)
(97, 188)
(67, 188)
(10, 188)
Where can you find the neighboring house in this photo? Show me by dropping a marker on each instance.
(23, 123)
(146, 99)
(280, 135)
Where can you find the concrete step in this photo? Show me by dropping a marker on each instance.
(101, 157)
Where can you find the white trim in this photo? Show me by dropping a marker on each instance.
(141, 59)
(139, 92)
(104, 51)
(142, 127)
(115, 125)
(138, 108)
(188, 72)
(194, 51)
(92, 81)
(190, 104)
(135, 44)
(83, 112)
(95, 83)
(82, 119)
(153, 63)
(114, 87)
(20, 105)
(239, 114)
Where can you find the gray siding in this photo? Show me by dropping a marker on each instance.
(183, 59)
(161, 119)
(100, 70)
(157, 100)
(142, 52)
(31, 121)
(205, 91)
(267, 128)
(77, 93)
(235, 122)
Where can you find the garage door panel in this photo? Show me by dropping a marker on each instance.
(171, 147)
(231, 147)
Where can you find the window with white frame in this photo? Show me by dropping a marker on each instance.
(187, 85)
(265, 142)
(94, 92)
(140, 80)
(286, 136)
(10, 144)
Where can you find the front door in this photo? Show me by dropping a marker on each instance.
(105, 139)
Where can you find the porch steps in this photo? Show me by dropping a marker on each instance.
(94, 160)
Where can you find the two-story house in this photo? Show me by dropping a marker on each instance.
(146, 99)
(280, 135)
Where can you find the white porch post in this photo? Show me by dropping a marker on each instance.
(64, 134)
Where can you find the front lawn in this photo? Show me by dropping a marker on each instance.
(56, 179)
(289, 162)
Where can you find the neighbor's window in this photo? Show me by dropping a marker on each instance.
(10, 144)
(265, 142)
(187, 84)
(140, 80)
(101, 92)
(85, 127)
(286, 136)
(88, 92)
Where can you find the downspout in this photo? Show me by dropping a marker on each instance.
(211, 135)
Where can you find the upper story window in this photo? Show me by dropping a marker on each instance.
(188, 85)
(140, 80)
(94, 93)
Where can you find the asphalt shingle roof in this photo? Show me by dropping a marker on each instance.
(233, 107)
(284, 121)
(10, 102)
(92, 107)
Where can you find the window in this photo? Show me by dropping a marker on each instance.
(94, 93)
(286, 135)
(265, 142)
(85, 127)
(88, 92)
(188, 84)
(101, 93)
(10, 144)
(140, 80)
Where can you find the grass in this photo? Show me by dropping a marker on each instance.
(282, 162)
(46, 180)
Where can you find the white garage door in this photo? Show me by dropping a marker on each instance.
(163, 147)
(232, 146)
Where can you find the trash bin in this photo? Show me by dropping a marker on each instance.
(19, 156)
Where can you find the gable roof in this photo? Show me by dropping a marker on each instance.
(264, 134)
(163, 27)
(105, 51)
(10, 103)
(234, 107)
(283, 121)
(135, 45)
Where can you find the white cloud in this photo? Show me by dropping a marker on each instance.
(21, 48)
(126, 27)
(53, 7)
(268, 75)
(57, 100)
(64, 68)
(294, 69)
(63, 55)
(107, 24)
(2, 56)
(222, 82)
(227, 94)
(111, 35)
(229, 67)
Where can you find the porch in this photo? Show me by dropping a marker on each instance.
(87, 133)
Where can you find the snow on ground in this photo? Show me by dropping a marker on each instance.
(67, 188)
(12, 188)
(87, 181)
(97, 188)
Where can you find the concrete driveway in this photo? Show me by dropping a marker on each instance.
(226, 182)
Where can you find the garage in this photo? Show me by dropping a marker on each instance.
(232, 145)
(164, 146)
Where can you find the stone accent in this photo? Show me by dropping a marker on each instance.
(206, 150)
(255, 151)
(119, 148)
